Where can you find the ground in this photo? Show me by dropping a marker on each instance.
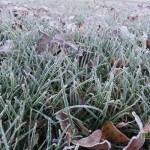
(70, 69)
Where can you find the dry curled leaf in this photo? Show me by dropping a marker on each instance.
(63, 119)
(112, 134)
(136, 142)
(21, 11)
(81, 27)
(138, 121)
(18, 25)
(44, 43)
(93, 142)
(67, 44)
(70, 46)
(148, 44)
(55, 44)
(59, 37)
(64, 122)
(119, 63)
(44, 11)
(83, 58)
(132, 18)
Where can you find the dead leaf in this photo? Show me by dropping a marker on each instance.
(54, 44)
(132, 18)
(147, 125)
(119, 62)
(7, 47)
(61, 116)
(91, 64)
(81, 29)
(83, 57)
(136, 142)
(18, 25)
(148, 44)
(44, 11)
(59, 37)
(45, 42)
(112, 134)
(69, 134)
(21, 11)
(66, 44)
(93, 142)
(138, 121)
(70, 46)
(63, 119)
(112, 61)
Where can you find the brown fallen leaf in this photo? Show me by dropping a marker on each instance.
(59, 37)
(44, 11)
(146, 129)
(61, 116)
(83, 58)
(55, 44)
(112, 134)
(69, 134)
(45, 42)
(132, 18)
(63, 119)
(91, 64)
(70, 46)
(21, 11)
(81, 27)
(119, 62)
(7, 47)
(138, 121)
(93, 142)
(66, 44)
(112, 61)
(18, 25)
(148, 44)
(136, 142)
(65, 125)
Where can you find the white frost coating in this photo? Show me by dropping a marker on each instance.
(125, 33)
(138, 121)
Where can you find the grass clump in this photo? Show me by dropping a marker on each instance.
(34, 87)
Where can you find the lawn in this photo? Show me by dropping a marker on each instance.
(70, 69)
